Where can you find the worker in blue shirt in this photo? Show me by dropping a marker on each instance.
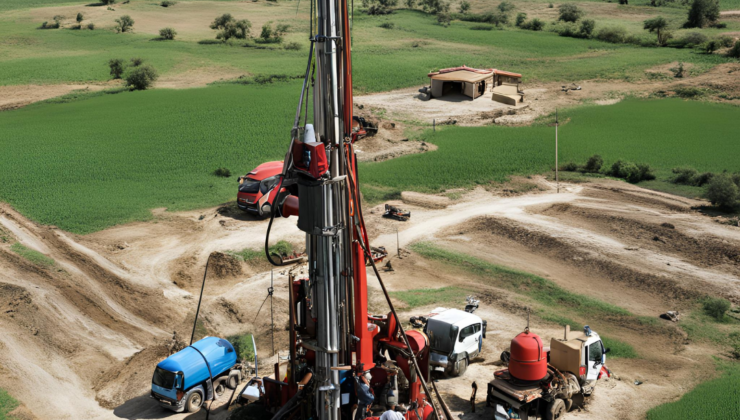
(365, 395)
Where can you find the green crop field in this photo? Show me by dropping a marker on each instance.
(663, 133)
(93, 163)
(384, 59)
(715, 399)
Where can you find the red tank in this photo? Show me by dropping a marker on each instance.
(528, 360)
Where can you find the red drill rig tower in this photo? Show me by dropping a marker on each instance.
(333, 339)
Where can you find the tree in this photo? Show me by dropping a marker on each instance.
(410, 3)
(141, 78)
(231, 28)
(722, 191)
(79, 19)
(520, 18)
(167, 33)
(702, 13)
(569, 12)
(435, 6)
(657, 25)
(381, 7)
(444, 19)
(116, 67)
(125, 24)
(464, 6)
(593, 165)
(505, 6)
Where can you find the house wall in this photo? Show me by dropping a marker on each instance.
(437, 88)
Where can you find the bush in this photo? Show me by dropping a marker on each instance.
(613, 34)
(735, 51)
(382, 7)
(108, 2)
(464, 6)
(631, 172)
(167, 3)
(167, 33)
(587, 28)
(505, 6)
(116, 68)
(47, 25)
(435, 6)
(141, 77)
(482, 28)
(243, 346)
(222, 172)
(79, 18)
(725, 41)
(533, 25)
(684, 176)
(387, 25)
(594, 163)
(136, 61)
(678, 72)
(711, 46)
(735, 344)
(550, 6)
(295, 46)
(520, 18)
(124, 24)
(569, 12)
(91, 26)
(702, 13)
(410, 3)
(692, 39)
(722, 191)
(569, 167)
(266, 31)
(716, 307)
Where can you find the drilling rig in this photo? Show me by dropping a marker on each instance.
(333, 340)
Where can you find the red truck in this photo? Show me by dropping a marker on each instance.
(258, 189)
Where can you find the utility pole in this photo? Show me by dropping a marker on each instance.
(398, 244)
(557, 174)
(272, 320)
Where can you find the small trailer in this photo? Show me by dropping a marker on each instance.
(544, 382)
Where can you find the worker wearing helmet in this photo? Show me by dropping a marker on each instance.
(365, 395)
(392, 413)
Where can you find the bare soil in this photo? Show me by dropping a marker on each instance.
(91, 327)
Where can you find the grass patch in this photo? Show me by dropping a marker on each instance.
(687, 191)
(243, 346)
(374, 194)
(7, 404)
(702, 327)
(499, 152)
(618, 349)
(451, 296)
(32, 255)
(715, 399)
(250, 255)
(114, 157)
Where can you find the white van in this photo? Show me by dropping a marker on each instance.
(455, 337)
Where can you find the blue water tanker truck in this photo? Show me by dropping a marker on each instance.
(197, 373)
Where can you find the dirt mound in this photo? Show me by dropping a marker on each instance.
(130, 378)
(704, 251)
(425, 200)
(224, 265)
(573, 255)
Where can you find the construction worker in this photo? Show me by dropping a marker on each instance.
(391, 413)
(365, 395)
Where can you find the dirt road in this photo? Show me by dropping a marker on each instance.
(92, 326)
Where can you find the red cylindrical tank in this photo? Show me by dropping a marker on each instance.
(528, 360)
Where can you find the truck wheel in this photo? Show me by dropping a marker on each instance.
(556, 410)
(232, 382)
(459, 368)
(195, 400)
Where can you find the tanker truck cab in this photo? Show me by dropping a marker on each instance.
(182, 382)
(455, 337)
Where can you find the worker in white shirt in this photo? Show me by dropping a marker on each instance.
(391, 413)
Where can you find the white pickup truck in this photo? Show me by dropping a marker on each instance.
(455, 338)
